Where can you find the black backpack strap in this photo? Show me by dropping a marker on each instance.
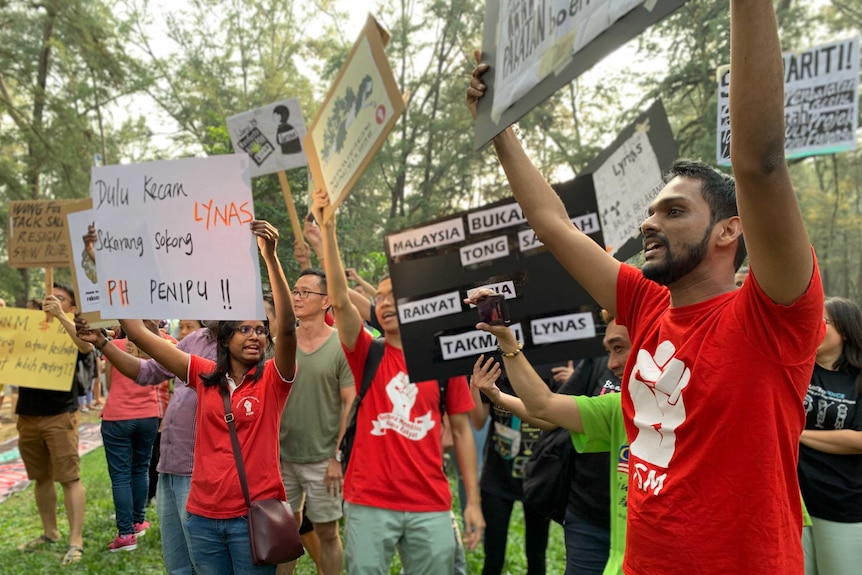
(372, 362)
(442, 385)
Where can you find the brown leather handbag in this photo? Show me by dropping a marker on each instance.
(272, 530)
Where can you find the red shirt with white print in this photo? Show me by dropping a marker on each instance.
(215, 490)
(712, 402)
(397, 457)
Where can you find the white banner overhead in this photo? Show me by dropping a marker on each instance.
(173, 239)
(821, 101)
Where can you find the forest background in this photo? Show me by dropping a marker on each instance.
(134, 81)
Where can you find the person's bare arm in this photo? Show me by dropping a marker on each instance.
(485, 374)
(333, 479)
(584, 259)
(465, 453)
(836, 441)
(355, 277)
(302, 254)
(282, 300)
(346, 315)
(175, 360)
(778, 246)
(52, 306)
(108, 372)
(361, 303)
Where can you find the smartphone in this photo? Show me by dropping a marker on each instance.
(493, 310)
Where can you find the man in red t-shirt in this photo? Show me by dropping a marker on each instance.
(395, 490)
(713, 390)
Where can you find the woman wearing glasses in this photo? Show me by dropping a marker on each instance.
(258, 390)
(830, 454)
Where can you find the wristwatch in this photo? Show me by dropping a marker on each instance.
(337, 456)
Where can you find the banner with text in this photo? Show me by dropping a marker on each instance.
(271, 136)
(37, 233)
(821, 101)
(173, 239)
(536, 48)
(33, 352)
(435, 265)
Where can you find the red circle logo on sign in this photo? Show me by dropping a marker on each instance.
(381, 113)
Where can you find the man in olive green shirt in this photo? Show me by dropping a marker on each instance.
(314, 419)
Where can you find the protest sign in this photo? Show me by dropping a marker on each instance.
(360, 110)
(173, 239)
(34, 353)
(627, 176)
(821, 101)
(435, 265)
(535, 48)
(79, 220)
(271, 136)
(37, 233)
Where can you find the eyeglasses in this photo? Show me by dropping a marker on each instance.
(380, 298)
(246, 330)
(304, 293)
(827, 321)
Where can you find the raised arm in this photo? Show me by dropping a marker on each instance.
(778, 246)
(52, 305)
(584, 259)
(485, 375)
(355, 277)
(346, 315)
(285, 340)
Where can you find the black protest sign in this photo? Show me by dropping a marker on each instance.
(434, 266)
(536, 48)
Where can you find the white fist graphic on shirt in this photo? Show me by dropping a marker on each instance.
(402, 394)
(655, 387)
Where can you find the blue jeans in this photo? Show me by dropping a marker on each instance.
(171, 496)
(588, 546)
(221, 547)
(128, 447)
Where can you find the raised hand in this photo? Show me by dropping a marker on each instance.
(267, 236)
(477, 88)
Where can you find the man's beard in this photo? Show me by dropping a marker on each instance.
(673, 268)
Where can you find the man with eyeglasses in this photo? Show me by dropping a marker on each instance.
(314, 419)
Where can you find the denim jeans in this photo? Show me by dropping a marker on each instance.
(171, 496)
(587, 546)
(221, 547)
(128, 447)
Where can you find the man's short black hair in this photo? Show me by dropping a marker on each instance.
(717, 188)
(321, 276)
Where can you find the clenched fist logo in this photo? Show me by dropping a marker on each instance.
(655, 387)
(402, 394)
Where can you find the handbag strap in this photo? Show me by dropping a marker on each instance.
(237, 454)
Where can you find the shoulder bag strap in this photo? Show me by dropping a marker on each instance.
(237, 454)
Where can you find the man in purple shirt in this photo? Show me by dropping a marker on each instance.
(178, 438)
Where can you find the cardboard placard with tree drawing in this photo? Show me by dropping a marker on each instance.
(360, 110)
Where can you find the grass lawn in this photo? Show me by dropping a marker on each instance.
(19, 522)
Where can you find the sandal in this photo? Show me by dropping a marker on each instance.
(37, 543)
(73, 555)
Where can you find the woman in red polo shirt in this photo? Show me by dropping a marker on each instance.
(258, 390)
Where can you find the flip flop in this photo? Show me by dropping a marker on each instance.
(37, 543)
(73, 555)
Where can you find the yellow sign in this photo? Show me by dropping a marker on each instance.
(34, 353)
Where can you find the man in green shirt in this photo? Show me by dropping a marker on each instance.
(314, 419)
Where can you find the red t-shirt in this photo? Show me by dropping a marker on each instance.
(215, 490)
(126, 399)
(397, 457)
(712, 402)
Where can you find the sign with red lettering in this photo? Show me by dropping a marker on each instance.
(173, 240)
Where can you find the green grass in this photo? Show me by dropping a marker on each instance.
(19, 522)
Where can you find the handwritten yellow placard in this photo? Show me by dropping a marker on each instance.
(34, 353)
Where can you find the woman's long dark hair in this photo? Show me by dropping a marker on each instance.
(847, 321)
(226, 330)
